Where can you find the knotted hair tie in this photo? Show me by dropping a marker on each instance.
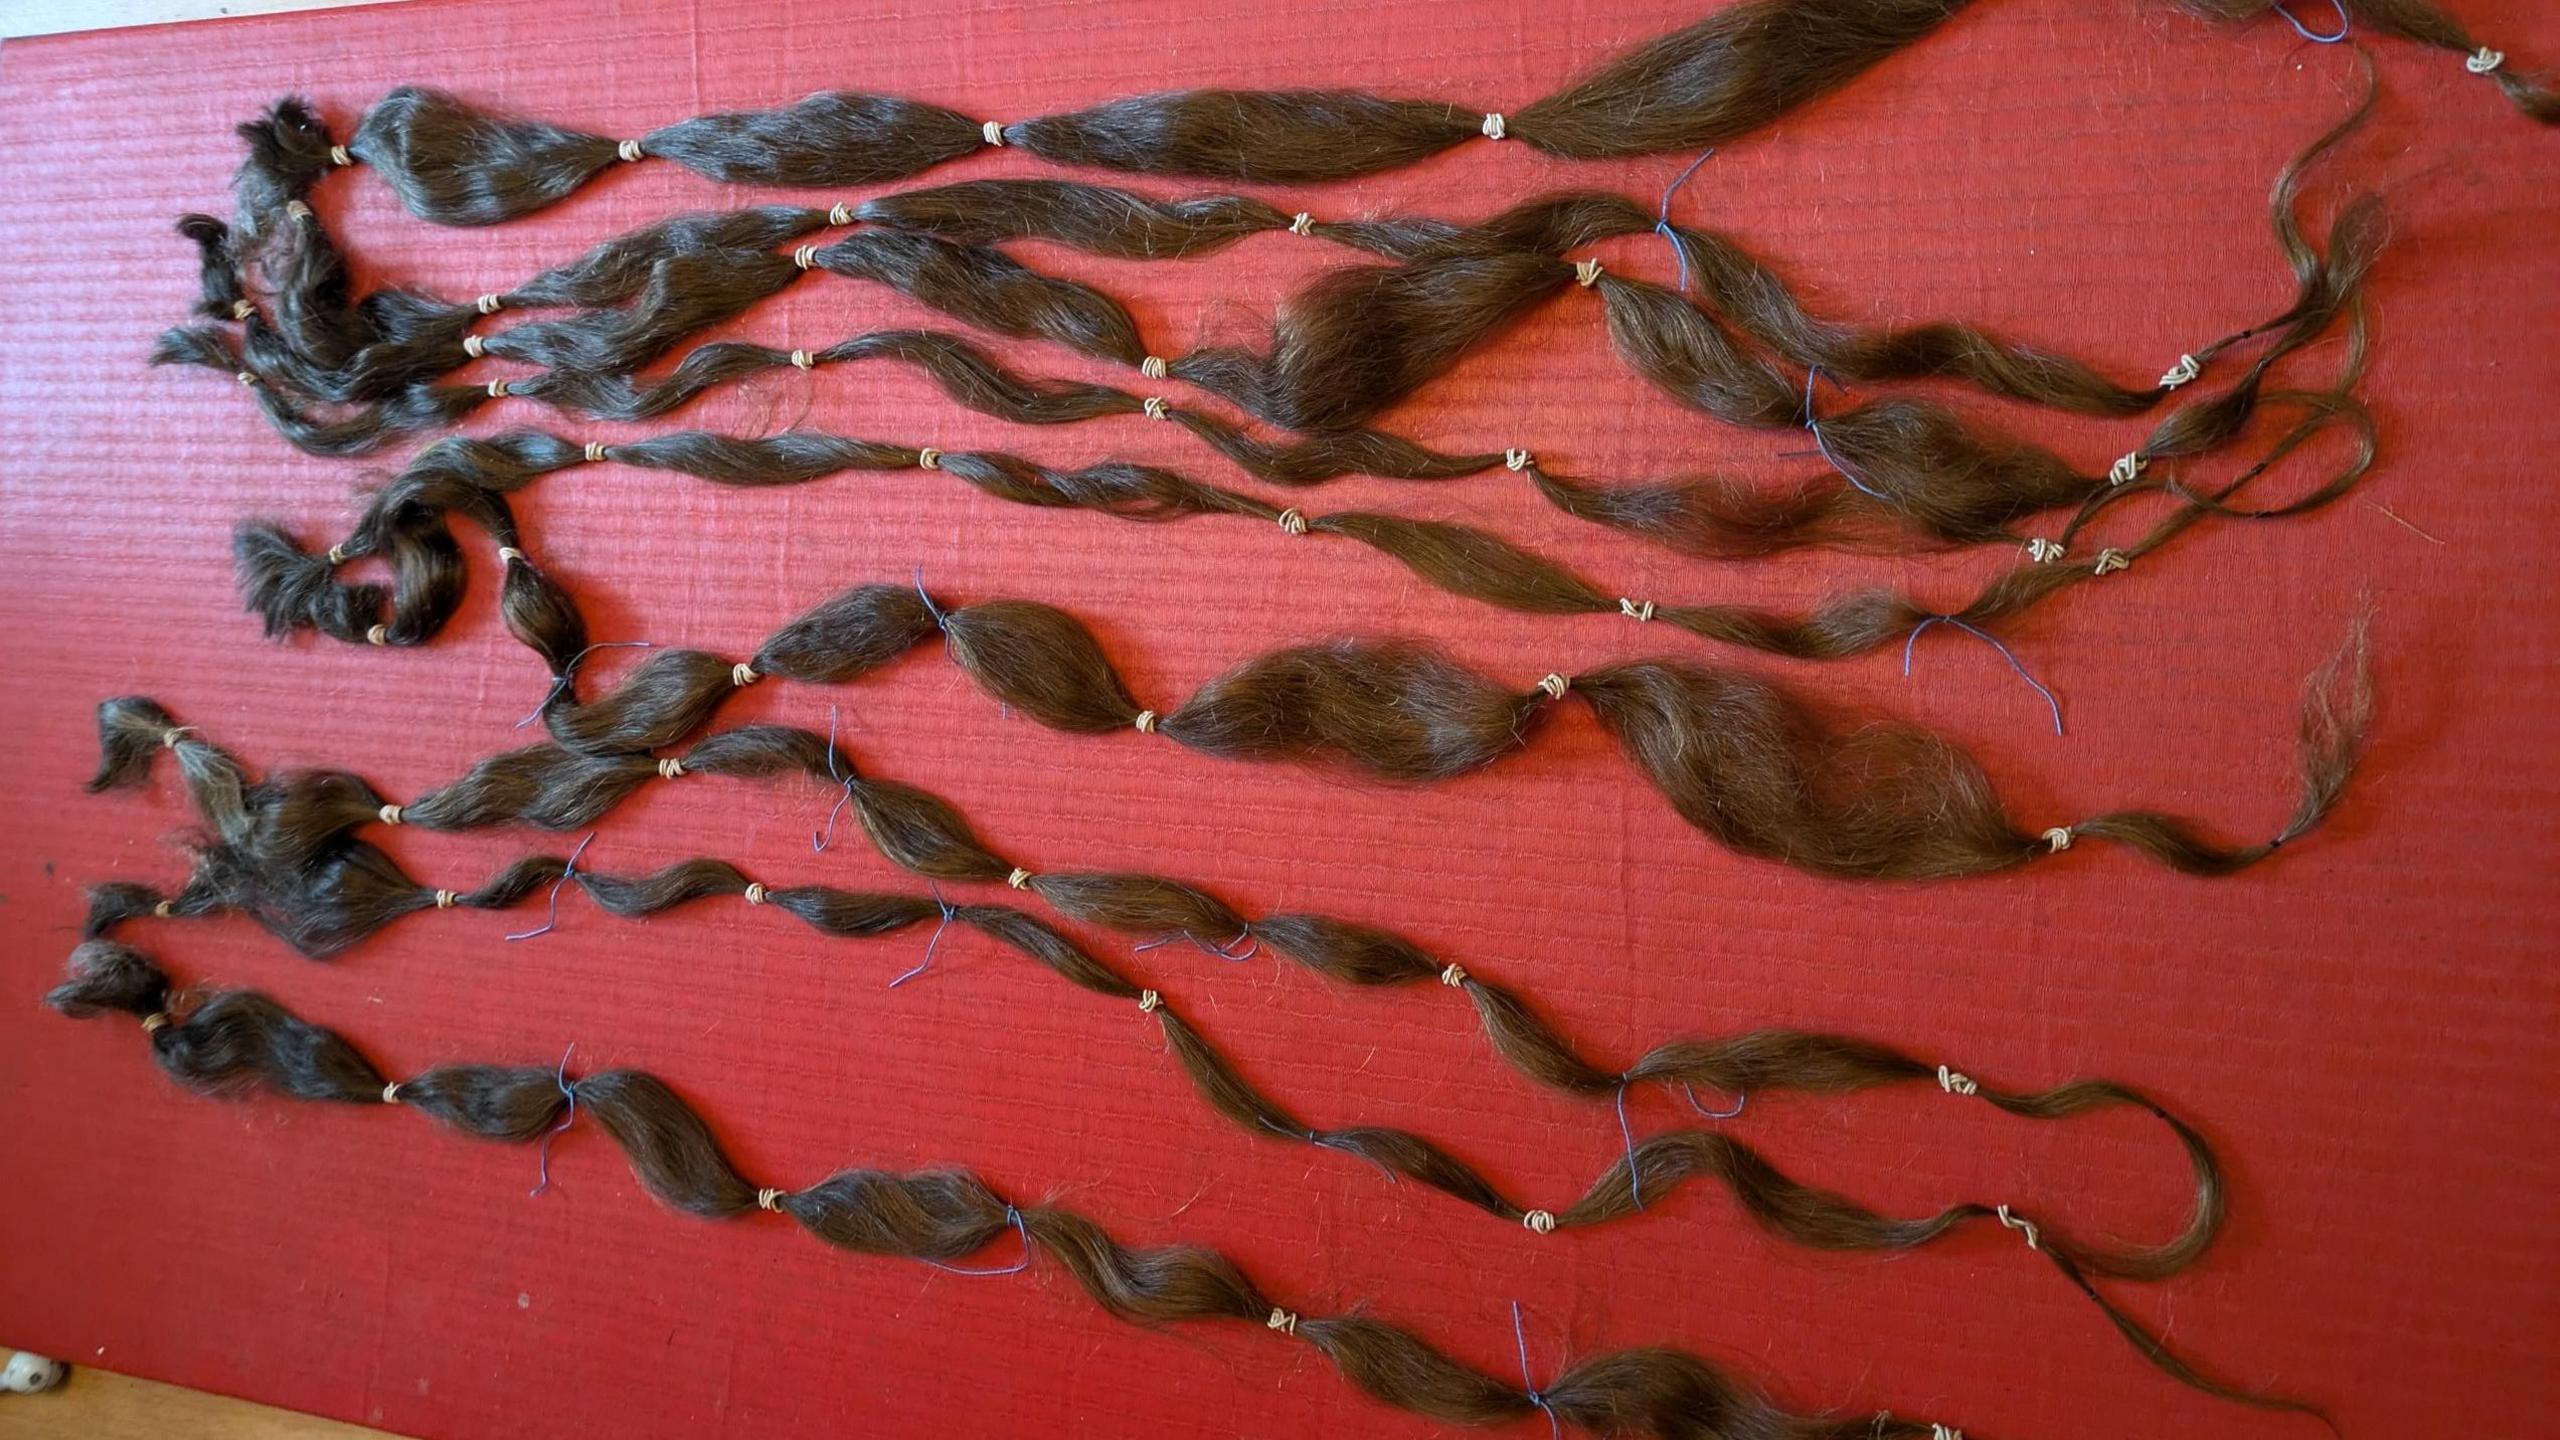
(497, 389)
(1152, 367)
(1302, 223)
(743, 674)
(1282, 1320)
(474, 346)
(595, 451)
(1541, 1222)
(445, 899)
(164, 909)
(1639, 611)
(508, 554)
(1146, 722)
(1148, 1001)
(2110, 561)
(1293, 520)
(840, 214)
(630, 151)
(2040, 550)
(1555, 685)
(1944, 1432)
(2484, 60)
(152, 1022)
(1586, 273)
(1154, 406)
(1455, 977)
(1956, 1082)
(1493, 127)
(2127, 468)
(297, 210)
(1515, 459)
(2018, 1222)
(242, 309)
(391, 1093)
(928, 458)
(2057, 839)
(805, 256)
(2179, 374)
(1019, 878)
(170, 737)
(755, 892)
(247, 380)
(377, 635)
(671, 768)
(338, 553)
(804, 360)
(769, 1199)
(993, 131)
(490, 304)
(389, 814)
(338, 156)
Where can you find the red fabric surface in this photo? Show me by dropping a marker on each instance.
(2365, 1028)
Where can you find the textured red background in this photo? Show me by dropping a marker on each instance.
(2366, 1029)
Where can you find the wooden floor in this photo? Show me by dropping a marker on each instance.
(100, 1405)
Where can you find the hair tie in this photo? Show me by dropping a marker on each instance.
(1152, 367)
(474, 346)
(1019, 878)
(1493, 128)
(2110, 561)
(1302, 223)
(490, 304)
(1516, 460)
(2018, 1222)
(1944, 1432)
(928, 458)
(1586, 273)
(389, 814)
(2127, 467)
(508, 555)
(297, 210)
(245, 378)
(497, 389)
(378, 635)
(993, 130)
(242, 309)
(1148, 1001)
(1555, 685)
(1282, 1320)
(445, 899)
(2041, 550)
(804, 359)
(1455, 977)
(755, 892)
(840, 213)
(1154, 406)
(2057, 839)
(2484, 60)
(2179, 374)
(671, 768)
(170, 737)
(743, 674)
(1638, 611)
(338, 553)
(595, 451)
(805, 256)
(1542, 1222)
(338, 156)
(1293, 520)
(1955, 1082)
(152, 1022)
(391, 1093)
(630, 151)
(164, 909)
(769, 1199)
(1146, 722)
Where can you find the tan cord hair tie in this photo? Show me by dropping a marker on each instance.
(2179, 374)
(1148, 1001)
(805, 256)
(1555, 685)
(445, 899)
(2057, 839)
(391, 1093)
(1302, 223)
(1636, 610)
(169, 738)
(1944, 1432)
(1955, 1082)
(840, 214)
(2041, 550)
(242, 309)
(338, 156)
(1282, 1320)
(769, 1199)
(497, 389)
(1493, 126)
(1152, 367)
(1154, 406)
(1516, 460)
(297, 210)
(1455, 977)
(928, 458)
(244, 377)
(2019, 1222)
(1293, 520)
(338, 553)
(2128, 466)
(1542, 1222)
(1019, 878)
(2110, 561)
(2484, 60)
(755, 892)
(671, 768)
(474, 346)
(508, 554)
(164, 909)
(152, 1022)
(993, 130)
(743, 674)
(595, 451)
(378, 635)
(490, 304)
(1586, 273)
(1146, 722)
(630, 151)
(389, 814)
(804, 360)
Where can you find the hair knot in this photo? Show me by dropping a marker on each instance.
(671, 768)
(498, 390)
(338, 156)
(2127, 468)
(152, 1022)
(391, 1093)
(743, 674)
(1586, 273)
(170, 737)
(1955, 1082)
(2041, 550)
(389, 814)
(242, 309)
(164, 909)
(377, 635)
(1293, 520)
(1516, 460)
(474, 346)
(769, 1199)
(296, 210)
(1636, 610)
(2057, 839)
(2020, 1223)
(508, 555)
(1149, 1002)
(1555, 685)
(445, 899)
(928, 458)
(2484, 60)
(595, 452)
(1154, 406)
(1018, 879)
(805, 257)
(630, 151)
(1541, 1221)
(1455, 976)
(245, 378)
(1493, 126)
(840, 213)
(1302, 223)
(2111, 561)
(1282, 1320)
(993, 132)
(2179, 374)
(804, 360)
(1152, 367)
(755, 892)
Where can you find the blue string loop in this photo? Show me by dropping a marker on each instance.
(569, 672)
(553, 918)
(1012, 1217)
(1227, 951)
(1635, 1182)
(2305, 31)
(1740, 1099)
(1813, 427)
(940, 621)
(948, 910)
(568, 1087)
(819, 840)
(1987, 638)
(1537, 1397)
(1662, 216)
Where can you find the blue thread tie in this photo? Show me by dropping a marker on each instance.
(1635, 1182)
(2305, 31)
(819, 840)
(948, 910)
(1813, 427)
(1224, 952)
(1740, 1099)
(569, 672)
(565, 872)
(1012, 1217)
(940, 621)
(1537, 1397)
(1662, 217)
(1987, 638)
(569, 1088)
